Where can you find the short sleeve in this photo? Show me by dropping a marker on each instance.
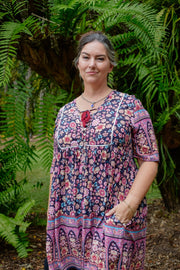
(143, 136)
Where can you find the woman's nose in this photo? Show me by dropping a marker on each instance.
(91, 62)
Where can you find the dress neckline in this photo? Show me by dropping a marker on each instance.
(98, 108)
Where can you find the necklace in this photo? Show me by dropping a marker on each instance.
(93, 102)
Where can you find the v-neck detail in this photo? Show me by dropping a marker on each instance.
(98, 108)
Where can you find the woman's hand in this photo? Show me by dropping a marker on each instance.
(144, 178)
(123, 212)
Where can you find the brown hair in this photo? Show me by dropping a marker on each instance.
(98, 36)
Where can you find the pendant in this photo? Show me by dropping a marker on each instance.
(92, 105)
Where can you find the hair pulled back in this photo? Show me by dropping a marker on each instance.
(96, 36)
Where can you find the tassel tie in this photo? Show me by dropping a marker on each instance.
(85, 117)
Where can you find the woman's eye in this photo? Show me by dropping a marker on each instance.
(100, 59)
(85, 57)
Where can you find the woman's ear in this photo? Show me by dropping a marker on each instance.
(111, 67)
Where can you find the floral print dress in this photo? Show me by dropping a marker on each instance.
(93, 169)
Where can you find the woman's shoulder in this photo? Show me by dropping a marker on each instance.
(129, 99)
(67, 106)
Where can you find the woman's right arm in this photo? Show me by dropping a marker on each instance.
(50, 187)
(50, 183)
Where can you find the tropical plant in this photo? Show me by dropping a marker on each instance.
(136, 30)
(10, 188)
(44, 120)
(23, 39)
(167, 105)
(148, 54)
(16, 154)
(13, 127)
(13, 230)
(10, 33)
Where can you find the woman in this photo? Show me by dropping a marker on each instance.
(97, 207)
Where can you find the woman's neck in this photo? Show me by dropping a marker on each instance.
(95, 92)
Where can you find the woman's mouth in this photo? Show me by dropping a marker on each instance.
(91, 72)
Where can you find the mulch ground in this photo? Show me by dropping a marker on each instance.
(162, 252)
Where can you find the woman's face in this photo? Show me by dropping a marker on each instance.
(94, 64)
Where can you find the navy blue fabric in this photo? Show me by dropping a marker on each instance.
(46, 267)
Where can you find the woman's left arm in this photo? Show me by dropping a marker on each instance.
(143, 180)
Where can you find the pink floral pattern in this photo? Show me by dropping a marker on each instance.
(93, 169)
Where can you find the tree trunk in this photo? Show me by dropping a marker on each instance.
(170, 192)
(51, 58)
(170, 187)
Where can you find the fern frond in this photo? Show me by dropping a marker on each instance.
(14, 127)
(44, 124)
(165, 116)
(140, 19)
(14, 7)
(3, 14)
(10, 32)
(13, 229)
(74, 11)
(24, 210)
(18, 7)
(7, 230)
(8, 196)
(13, 113)
(122, 39)
(167, 164)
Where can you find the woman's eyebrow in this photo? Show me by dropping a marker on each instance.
(98, 55)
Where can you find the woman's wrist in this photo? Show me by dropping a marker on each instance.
(130, 208)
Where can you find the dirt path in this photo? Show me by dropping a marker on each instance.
(162, 253)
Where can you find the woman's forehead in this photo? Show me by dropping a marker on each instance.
(94, 47)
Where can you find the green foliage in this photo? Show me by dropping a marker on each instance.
(157, 84)
(12, 7)
(10, 33)
(13, 127)
(133, 17)
(16, 155)
(147, 45)
(16, 128)
(13, 230)
(10, 188)
(44, 124)
(16, 152)
(72, 10)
